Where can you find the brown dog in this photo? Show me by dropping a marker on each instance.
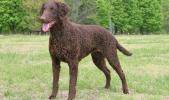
(70, 42)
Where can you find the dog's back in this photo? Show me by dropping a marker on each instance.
(93, 38)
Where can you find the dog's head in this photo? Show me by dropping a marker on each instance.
(51, 13)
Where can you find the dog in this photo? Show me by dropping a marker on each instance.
(70, 42)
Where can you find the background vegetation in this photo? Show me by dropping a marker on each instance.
(119, 16)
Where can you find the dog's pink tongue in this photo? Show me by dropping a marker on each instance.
(45, 27)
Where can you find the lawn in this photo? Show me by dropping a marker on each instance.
(26, 74)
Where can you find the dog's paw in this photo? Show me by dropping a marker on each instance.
(70, 99)
(126, 91)
(107, 86)
(52, 97)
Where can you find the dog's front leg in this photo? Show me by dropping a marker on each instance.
(56, 71)
(73, 71)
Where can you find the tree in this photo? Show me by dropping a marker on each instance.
(134, 18)
(32, 9)
(112, 10)
(165, 8)
(104, 11)
(82, 11)
(151, 16)
(131, 16)
(119, 16)
(11, 15)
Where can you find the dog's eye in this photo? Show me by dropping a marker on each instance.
(51, 8)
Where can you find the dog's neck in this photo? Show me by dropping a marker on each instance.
(59, 28)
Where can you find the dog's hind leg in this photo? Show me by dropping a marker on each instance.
(114, 62)
(99, 61)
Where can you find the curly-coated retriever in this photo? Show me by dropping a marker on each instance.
(70, 42)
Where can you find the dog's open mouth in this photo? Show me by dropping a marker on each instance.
(47, 26)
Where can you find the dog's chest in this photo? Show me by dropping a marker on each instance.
(63, 49)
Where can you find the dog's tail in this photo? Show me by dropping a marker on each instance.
(123, 50)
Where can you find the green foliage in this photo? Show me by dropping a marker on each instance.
(119, 16)
(131, 16)
(32, 9)
(165, 9)
(124, 16)
(104, 10)
(151, 15)
(11, 15)
(81, 11)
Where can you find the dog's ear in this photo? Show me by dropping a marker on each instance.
(42, 9)
(63, 9)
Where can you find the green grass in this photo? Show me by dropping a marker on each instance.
(25, 70)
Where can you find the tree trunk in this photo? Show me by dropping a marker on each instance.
(74, 10)
(116, 29)
(110, 25)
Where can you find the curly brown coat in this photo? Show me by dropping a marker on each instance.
(70, 42)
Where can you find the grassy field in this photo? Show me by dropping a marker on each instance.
(25, 70)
